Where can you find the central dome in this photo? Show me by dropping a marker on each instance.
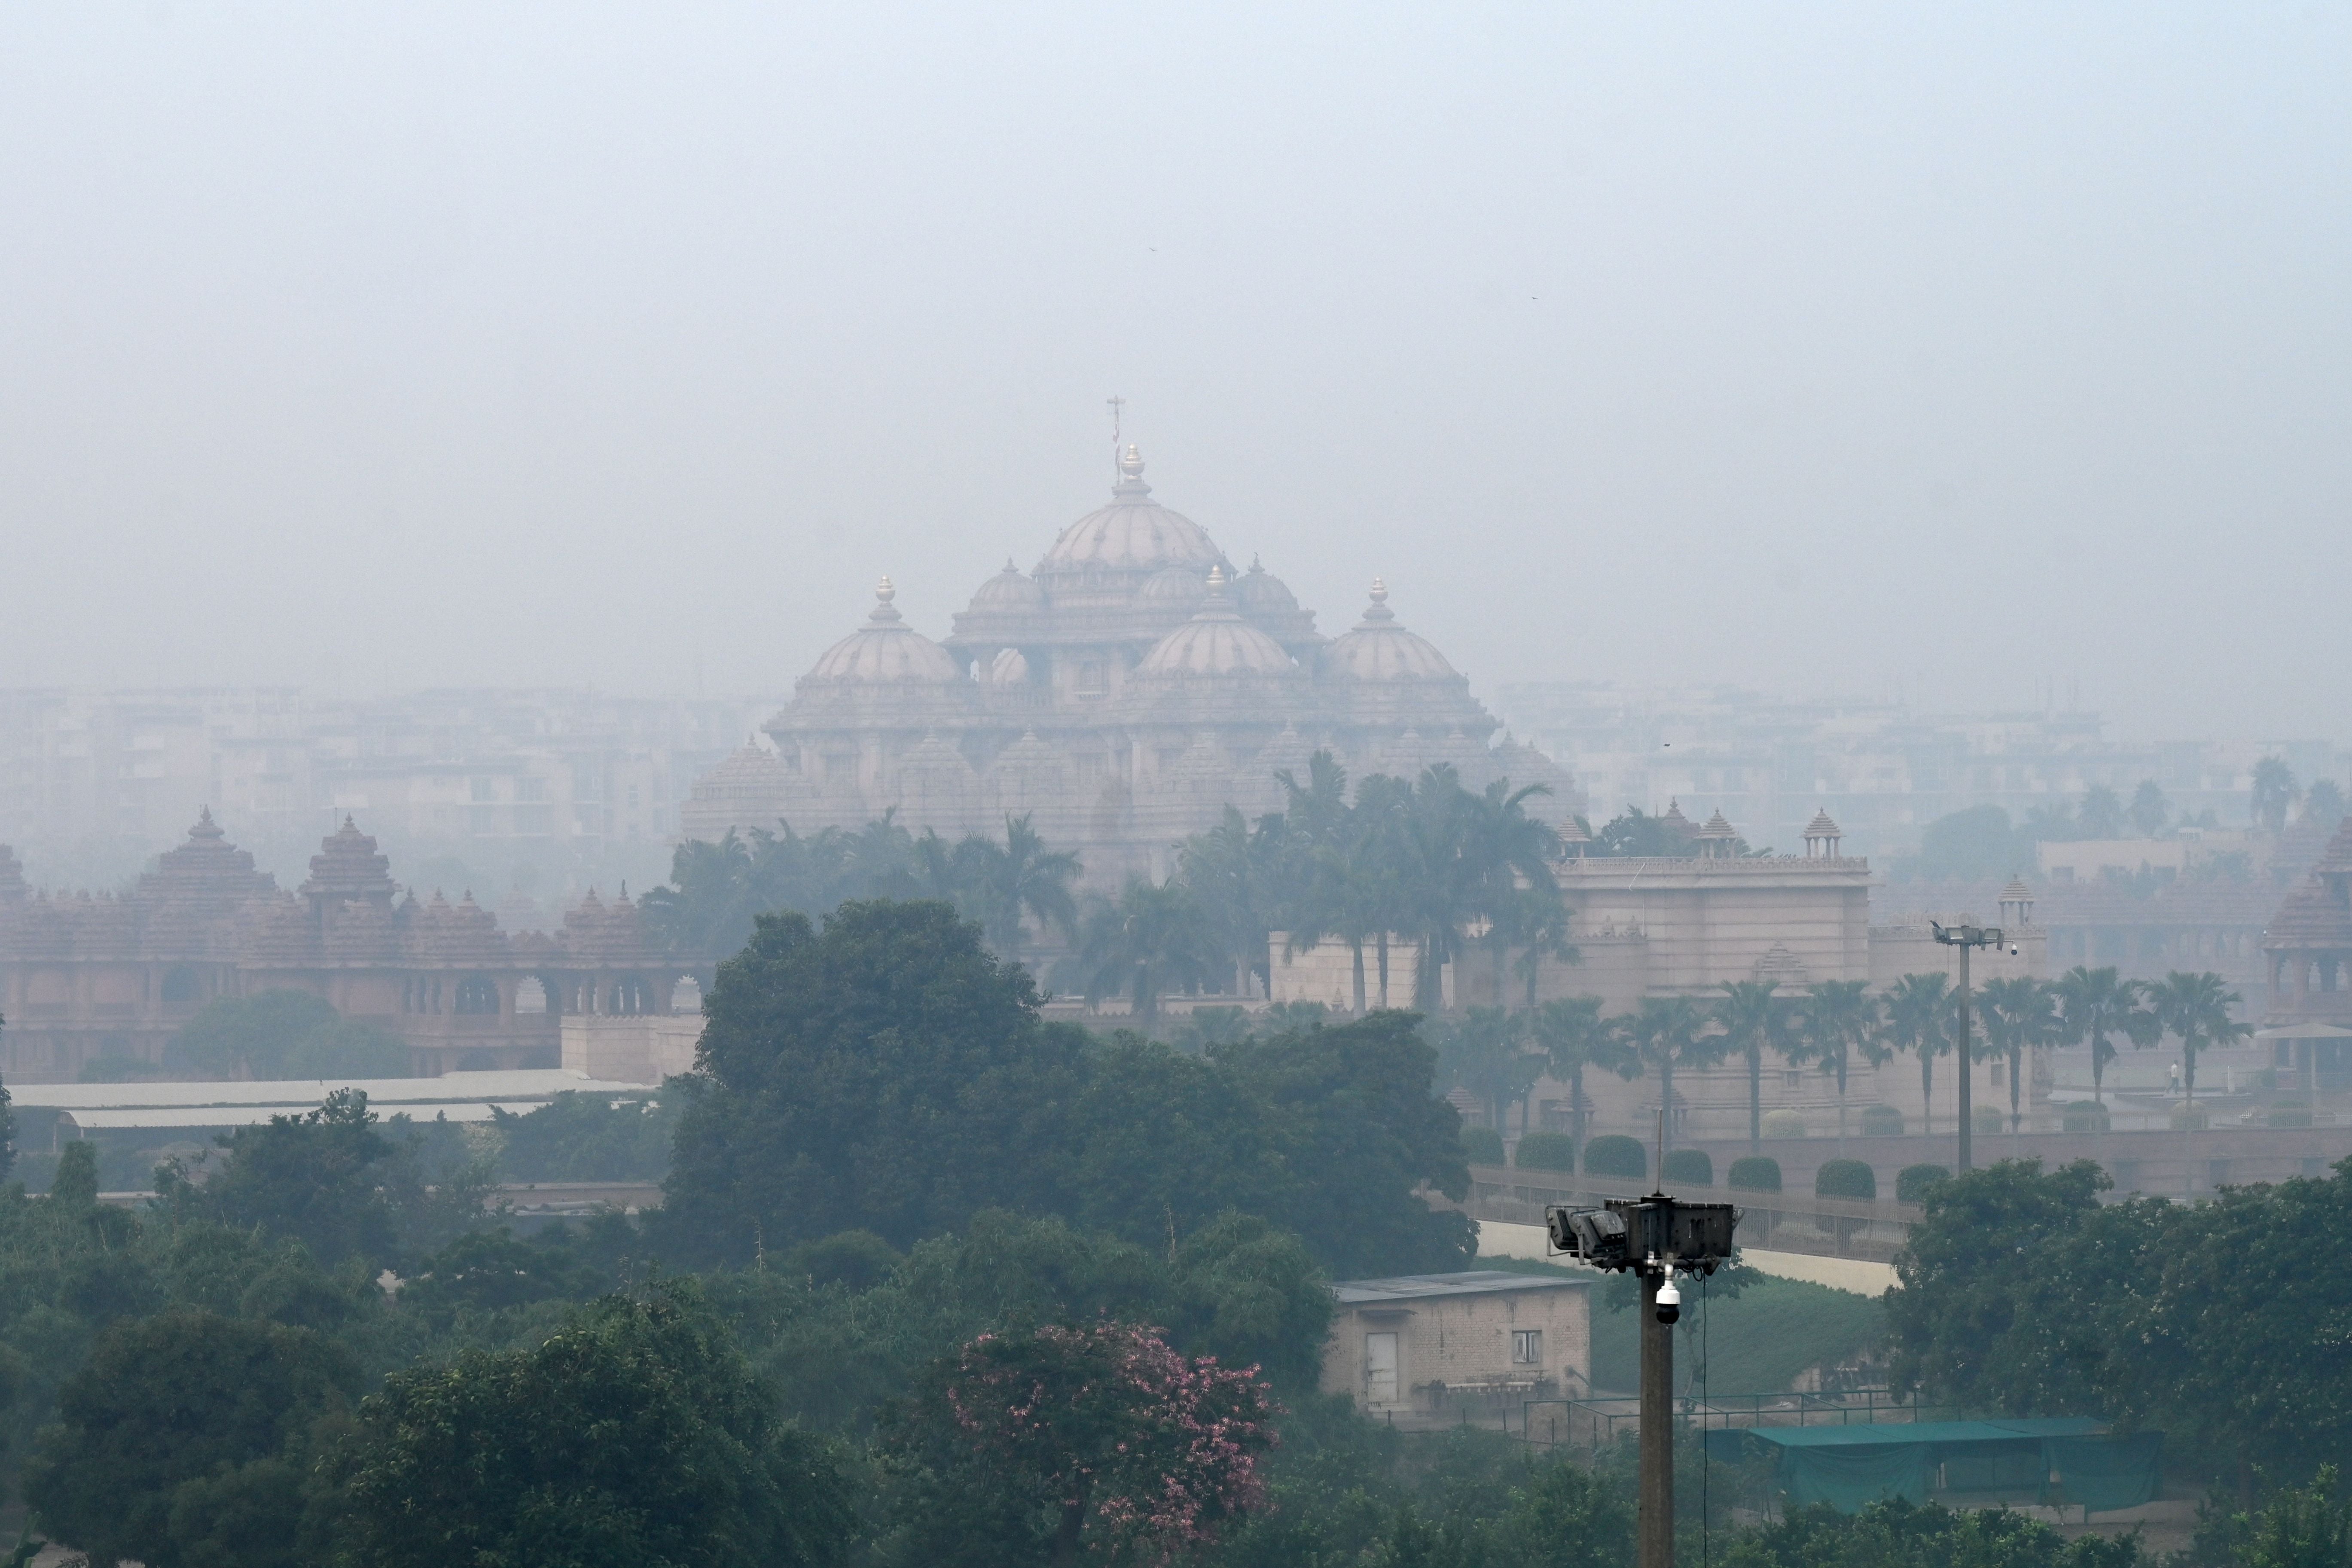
(1134, 533)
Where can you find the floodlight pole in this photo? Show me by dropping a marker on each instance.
(1657, 1527)
(1655, 1238)
(1965, 937)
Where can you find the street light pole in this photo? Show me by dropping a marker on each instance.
(1965, 937)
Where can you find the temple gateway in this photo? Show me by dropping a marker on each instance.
(1120, 694)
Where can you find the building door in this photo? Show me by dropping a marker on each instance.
(1380, 1369)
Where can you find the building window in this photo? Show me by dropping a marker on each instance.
(1090, 680)
(1791, 1078)
(486, 789)
(478, 996)
(1526, 1347)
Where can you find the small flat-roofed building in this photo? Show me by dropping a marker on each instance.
(1454, 1344)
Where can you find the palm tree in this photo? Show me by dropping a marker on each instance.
(1486, 1054)
(1230, 872)
(1021, 877)
(1919, 1020)
(1840, 1021)
(1754, 1019)
(1668, 1033)
(1151, 941)
(2095, 1004)
(1510, 856)
(2017, 1012)
(2195, 1008)
(2273, 793)
(1573, 1036)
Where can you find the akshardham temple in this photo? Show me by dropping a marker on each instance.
(85, 977)
(1120, 694)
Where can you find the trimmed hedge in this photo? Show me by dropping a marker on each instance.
(1846, 1179)
(1614, 1154)
(1546, 1152)
(1911, 1183)
(1881, 1121)
(1784, 1124)
(2087, 1116)
(1756, 1174)
(1482, 1145)
(1690, 1166)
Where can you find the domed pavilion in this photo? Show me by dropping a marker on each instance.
(1122, 693)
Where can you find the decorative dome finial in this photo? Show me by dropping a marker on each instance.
(1216, 578)
(1377, 612)
(884, 611)
(1130, 463)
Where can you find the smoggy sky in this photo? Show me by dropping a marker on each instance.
(1942, 352)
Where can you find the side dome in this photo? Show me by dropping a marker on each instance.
(1380, 649)
(1011, 591)
(1217, 641)
(1134, 533)
(1260, 594)
(886, 649)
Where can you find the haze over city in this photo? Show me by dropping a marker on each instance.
(1992, 358)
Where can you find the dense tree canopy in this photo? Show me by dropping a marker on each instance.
(2022, 1292)
(636, 1433)
(283, 1035)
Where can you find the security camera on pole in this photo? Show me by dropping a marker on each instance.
(1656, 1237)
(1964, 938)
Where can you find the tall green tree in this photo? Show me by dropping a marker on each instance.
(2273, 793)
(2194, 1009)
(1754, 1019)
(636, 1435)
(2149, 810)
(1485, 1052)
(187, 1438)
(872, 1076)
(1839, 1022)
(1669, 1034)
(2102, 815)
(1233, 871)
(1019, 879)
(1573, 1036)
(1153, 940)
(2097, 1004)
(2323, 805)
(2021, 1015)
(1919, 1021)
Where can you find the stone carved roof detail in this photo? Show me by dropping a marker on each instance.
(2336, 858)
(2310, 920)
(1133, 533)
(207, 870)
(349, 866)
(1821, 827)
(456, 935)
(2016, 892)
(1259, 593)
(1718, 826)
(594, 930)
(1378, 650)
(1782, 967)
(886, 650)
(1217, 642)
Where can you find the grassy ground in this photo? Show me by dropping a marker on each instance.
(1755, 1344)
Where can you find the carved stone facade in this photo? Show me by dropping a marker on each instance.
(1121, 694)
(83, 978)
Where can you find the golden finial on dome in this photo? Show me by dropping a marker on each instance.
(884, 591)
(1380, 592)
(1216, 578)
(1130, 462)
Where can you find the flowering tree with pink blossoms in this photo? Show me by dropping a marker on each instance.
(1098, 1442)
